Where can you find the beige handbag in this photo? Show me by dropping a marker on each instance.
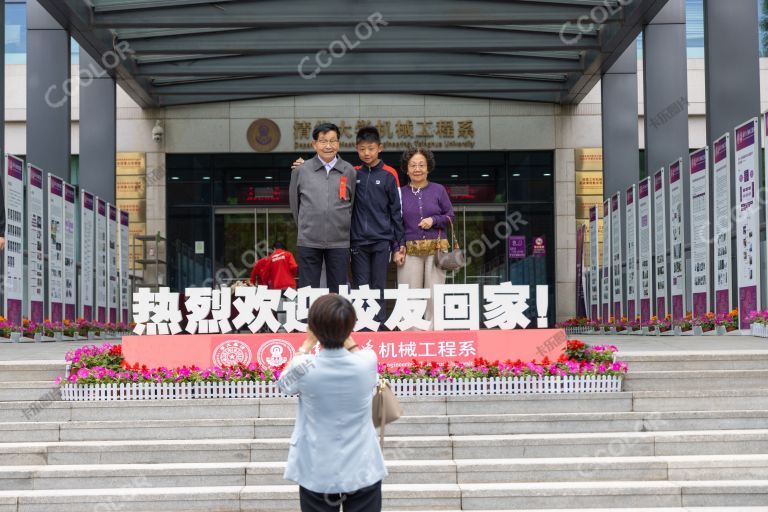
(450, 260)
(386, 408)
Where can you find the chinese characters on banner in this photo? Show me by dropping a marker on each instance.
(112, 285)
(35, 243)
(87, 218)
(660, 234)
(700, 231)
(677, 238)
(101, 260)
(617, 256)
(124, 262)
(631, 243)
(13, 256)
(747, 219)
(70, 269)
(644, 245)
(55, 248)
(594, 266)
(456, 307)
(722, 214)
(605, 278)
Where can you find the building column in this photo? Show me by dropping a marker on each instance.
(665, 78)
(98, 129)
(731, 42)
(48, 92)
(2, 84)
(621, 144)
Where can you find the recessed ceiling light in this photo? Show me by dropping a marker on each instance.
(238, 177)
(174, 177)
(206, 177)
(485, 175)
(516, 175)
(267, 177)
(547, 174)
(454, 175)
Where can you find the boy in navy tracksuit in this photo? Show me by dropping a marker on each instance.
(377, 220)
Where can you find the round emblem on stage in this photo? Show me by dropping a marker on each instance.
(263, 135)
(231, 353)
(274, 353)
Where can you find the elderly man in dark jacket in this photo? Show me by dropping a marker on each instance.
(322, 194)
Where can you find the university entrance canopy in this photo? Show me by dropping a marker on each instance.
(192, 51)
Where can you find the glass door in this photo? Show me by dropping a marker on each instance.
(243, 235)
(478, 229)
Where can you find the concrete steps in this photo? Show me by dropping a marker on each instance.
(436, 425)
(592, 469)
(507, 496)
(525, 446)
(689, 432)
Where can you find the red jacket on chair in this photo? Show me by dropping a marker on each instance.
(280, 270)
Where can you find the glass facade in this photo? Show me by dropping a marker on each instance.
(16, 34)
(236, 205)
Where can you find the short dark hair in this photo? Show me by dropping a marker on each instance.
(417, 150)
(331, 319)
(325, 128)
(278, 245)
(368, 134)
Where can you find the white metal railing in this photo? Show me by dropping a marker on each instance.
(404, 388)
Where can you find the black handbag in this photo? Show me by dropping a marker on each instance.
(452, 258)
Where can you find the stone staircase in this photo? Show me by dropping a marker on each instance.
(689, 432)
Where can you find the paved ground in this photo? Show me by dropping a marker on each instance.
(626, 344)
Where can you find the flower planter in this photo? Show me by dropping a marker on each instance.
(678, 331)
(759, 330)
(720, 330)
(403, 388)
(697, 330)
(15, 337)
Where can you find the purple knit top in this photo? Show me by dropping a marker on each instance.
(430, 201)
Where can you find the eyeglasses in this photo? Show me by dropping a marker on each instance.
(327, 142)
(417, 166)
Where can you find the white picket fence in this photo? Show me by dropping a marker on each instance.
(404, 388)
(759, 330)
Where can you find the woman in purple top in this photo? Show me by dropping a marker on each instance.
(427, 216)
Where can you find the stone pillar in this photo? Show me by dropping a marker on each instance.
(48, 92)
(98, 128)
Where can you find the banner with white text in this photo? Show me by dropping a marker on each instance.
(13, 256)
(747, 219)
(723, 184)
(660, 242)
(35, 245)
(700, 236)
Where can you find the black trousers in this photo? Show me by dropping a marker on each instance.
(370, 264)
(367, 499)
(311, 266)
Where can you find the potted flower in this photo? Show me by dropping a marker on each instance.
(621, 325)
(635, 326)
(650, 326)
(6, 328)
(704, 324)
(32, 330)
(725, 323)
(757, 323)
(52, 330)
(684, 325)
(665, 326)
(69, 329)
